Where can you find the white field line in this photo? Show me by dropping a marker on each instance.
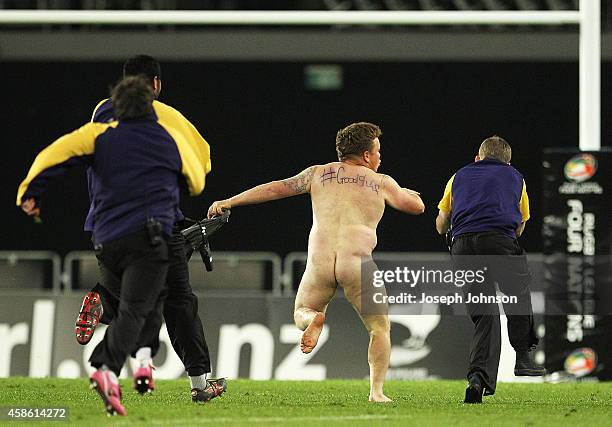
(209, 420)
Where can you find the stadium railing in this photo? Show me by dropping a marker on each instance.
(247, 271)
(30, 270)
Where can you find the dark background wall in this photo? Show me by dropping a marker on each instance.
(263, 124)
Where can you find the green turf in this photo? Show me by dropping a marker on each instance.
(329, 403)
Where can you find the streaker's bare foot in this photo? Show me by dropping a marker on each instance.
(310, 337)
(379, 398)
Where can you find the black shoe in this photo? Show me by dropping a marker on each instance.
(525, 367)
(473, 392)
(213, 389)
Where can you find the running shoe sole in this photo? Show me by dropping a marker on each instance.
(88, 318)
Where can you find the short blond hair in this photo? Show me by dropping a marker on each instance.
(495, 147)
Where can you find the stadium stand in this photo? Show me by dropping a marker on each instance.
(295, 5)
(332, 5)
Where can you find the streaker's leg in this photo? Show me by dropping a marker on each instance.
(348, 271)
(379, 351)
(314, 294)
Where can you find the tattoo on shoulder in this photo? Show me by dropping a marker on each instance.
(301, 182)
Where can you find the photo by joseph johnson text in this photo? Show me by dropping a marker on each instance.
(412, 287)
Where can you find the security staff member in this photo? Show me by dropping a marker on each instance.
(141, 163)
(485, 206)
(180, 309)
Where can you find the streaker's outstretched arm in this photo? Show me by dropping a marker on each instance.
(402, 199)
(298, 184)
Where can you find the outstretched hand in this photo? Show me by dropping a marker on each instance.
(30, 208)
(218, 207)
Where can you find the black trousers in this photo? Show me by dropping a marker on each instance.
(134, 271)
(180, 310)
(506, 264)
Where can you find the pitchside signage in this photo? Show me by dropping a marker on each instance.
(577, 233)
(250, 337)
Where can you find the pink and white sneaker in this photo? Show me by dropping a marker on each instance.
(109, 391)
(143, 379)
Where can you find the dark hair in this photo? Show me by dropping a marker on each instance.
(356, 138)
(495, 147)
(142, 64)
(132, 98)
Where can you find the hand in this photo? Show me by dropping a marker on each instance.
(30, 208)
(218, 207)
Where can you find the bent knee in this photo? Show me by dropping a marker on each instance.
(298, 314)
(296, 317)
(378, 325)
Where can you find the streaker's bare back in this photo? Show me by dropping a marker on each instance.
(348, 202)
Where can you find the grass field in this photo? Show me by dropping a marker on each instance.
(322, 403)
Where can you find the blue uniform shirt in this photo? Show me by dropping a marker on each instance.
(137, 165)
(488, 195)
(104, 113)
